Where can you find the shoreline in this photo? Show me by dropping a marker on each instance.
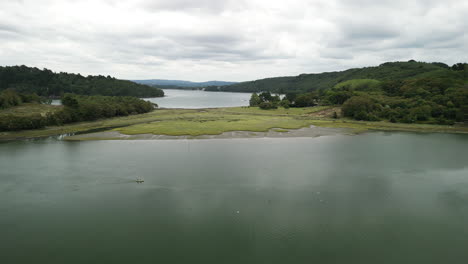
(227, 122)
(312, 131)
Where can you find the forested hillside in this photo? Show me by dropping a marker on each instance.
(32, 115)
(321, 81)
(410, 93)
(49, 84)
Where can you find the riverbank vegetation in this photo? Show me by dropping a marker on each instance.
(436, 97)
(49, 84)
(76, 108)
(195, 122)
(10, 98)
(417, 96)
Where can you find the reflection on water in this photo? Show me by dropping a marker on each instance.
(375, 198)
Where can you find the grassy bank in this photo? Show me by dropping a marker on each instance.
(196, 122)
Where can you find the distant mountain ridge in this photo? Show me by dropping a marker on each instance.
(181, 83)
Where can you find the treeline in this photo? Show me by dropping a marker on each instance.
(426, 100)
(49, 84)
(321, 81)
(10, 98)
(268, 101)
(78, 108)
(432, 100)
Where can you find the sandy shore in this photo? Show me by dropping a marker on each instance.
(312, 131)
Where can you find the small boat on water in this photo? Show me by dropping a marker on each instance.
(140, 180)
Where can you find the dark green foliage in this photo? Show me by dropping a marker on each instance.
(267, 97)
(285, 103)
(424, 100)
(359, 107)
(306, 100)
(311, 82)
(13, 122)
(268, 105)
(79, 108)
(10, 98)
(406, 92)
(265, 100)
(441, 64)
(255, 100)
(291, 96)
(459, 66)
(49, 84)
(85, 108)
(338, 97)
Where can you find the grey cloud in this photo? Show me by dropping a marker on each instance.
(228, 39)
(9, 28)
(9, 32)
(210, 6)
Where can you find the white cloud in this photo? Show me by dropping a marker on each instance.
(227, 40)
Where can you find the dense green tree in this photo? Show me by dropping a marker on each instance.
(285, 103)
(338, 97)
(459, 66)
(49, 84)
(268, 105)
(358, 107)
(79, 108)
(10, 98)
(255, 100)
(305, 100)
(265, 100)
(291, 97)
(266, 97)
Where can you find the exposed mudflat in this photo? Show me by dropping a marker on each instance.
(312, 131)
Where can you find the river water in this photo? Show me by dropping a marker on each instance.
(371, 198)
(200, 99)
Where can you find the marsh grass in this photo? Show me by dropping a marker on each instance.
(195, 122)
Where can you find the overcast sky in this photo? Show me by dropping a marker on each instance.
(228, 40)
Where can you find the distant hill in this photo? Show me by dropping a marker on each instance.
(179, 83)
(50, 84)
(327, 80)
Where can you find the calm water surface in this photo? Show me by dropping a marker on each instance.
(200, 99)
(373, 198)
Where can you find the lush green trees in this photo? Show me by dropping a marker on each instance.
(49, 84)
(265, 100)
(359, 108)
(13, 122)
(255, 100)
(268, 105)
(423, 100)
(10, 98)
(305, 100)
(459, 66)
(285, 103)
(84, 108)
(78, 108)
(312, 82)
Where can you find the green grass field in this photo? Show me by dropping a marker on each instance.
(196, 122)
